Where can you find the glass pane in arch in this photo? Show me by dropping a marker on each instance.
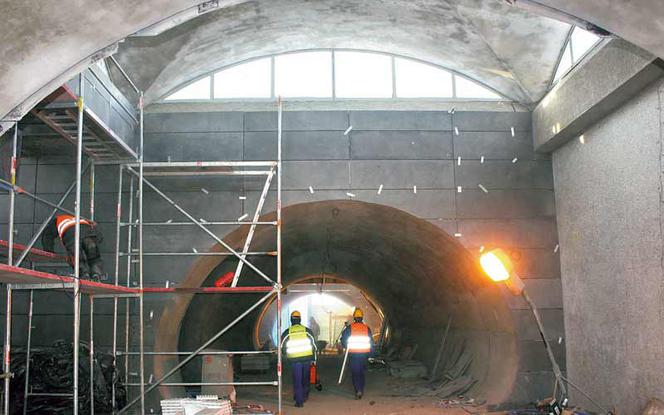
(472, 90)
(362, 75)
(305, 74)
(196, 90)
(246, 80)
(419, 80)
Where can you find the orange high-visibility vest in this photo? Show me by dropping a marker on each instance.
(64, 222)
(359, 341)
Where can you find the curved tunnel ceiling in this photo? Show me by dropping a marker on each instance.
(43, 44)
(508, 49)
(417, 273)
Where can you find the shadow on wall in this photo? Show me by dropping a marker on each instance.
(417, 273)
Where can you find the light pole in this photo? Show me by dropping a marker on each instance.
(498, 266)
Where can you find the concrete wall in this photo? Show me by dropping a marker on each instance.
(609, 201)
(398, 149)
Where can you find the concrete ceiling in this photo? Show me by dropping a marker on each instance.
(511, 50)
(43, 43)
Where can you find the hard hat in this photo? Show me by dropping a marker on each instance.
(296, 314)
(358, 313)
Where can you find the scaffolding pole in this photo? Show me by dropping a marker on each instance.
(141, 310)
(28, 351)
(92, 300)
(77, 239)
(10, 260)
(118, 219)
(130, 214)
(279, 224)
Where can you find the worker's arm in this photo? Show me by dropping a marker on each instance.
(311, 338)
(371, 342)
(48, 236)
(344, 336)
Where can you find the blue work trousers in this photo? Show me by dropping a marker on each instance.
(301, 381)
(358, 367)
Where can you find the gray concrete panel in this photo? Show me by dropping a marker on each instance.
(545, 293)
(400, 120)
(296, 145)
(494, 174)
(492, 121)
(521, 233)
(526, 326)
(299, 175)
(191, 146)
(297, 121)
(495, 145)
(534, 357)
(201, 122)
(505, 204)
(368, 145)
(402, 174)
(429, 204)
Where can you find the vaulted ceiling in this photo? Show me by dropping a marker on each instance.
(43, 43)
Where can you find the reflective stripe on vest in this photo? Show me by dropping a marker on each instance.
(359, 341)
(298, 344)
(64, 222)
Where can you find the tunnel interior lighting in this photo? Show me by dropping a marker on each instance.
(497, 265)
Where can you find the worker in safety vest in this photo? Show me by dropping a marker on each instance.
(359, 342)
(300, 351)
(63, 227)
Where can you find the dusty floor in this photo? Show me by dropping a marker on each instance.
(337, 399)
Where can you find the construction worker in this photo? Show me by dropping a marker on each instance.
(300, 351)
(357, 339)
(63, 227)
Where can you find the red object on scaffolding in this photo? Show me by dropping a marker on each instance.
(225, 280)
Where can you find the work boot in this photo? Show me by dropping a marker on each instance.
(299, 405)
(358, 395)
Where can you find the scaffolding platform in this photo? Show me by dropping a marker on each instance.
(24, 278)
(34, 254)
(207, 290)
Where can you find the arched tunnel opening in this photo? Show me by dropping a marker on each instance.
(418, 276)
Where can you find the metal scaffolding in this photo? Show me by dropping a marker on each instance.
(16, 277)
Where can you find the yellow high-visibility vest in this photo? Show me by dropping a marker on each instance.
(298, 344)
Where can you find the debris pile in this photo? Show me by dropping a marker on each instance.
(51, 372)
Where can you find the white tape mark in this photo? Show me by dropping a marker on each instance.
(459, 189)
(204, 190)
(169, 159)
(195, 250)
(243, 217)
(151, 378)
(481, 248)
(483, 188)
(169, 221)
(459, 161)
(202, 220)
(380, 189)
(560, 340)
(349, 194)
(582, 139)
(242, 197)
(415, 189)
(512, 130)
(348, 130)
(451, 111)
(168, 283)
(515, 159)
(556, 248)
(311, 190)
(151, 314)
(482, 160)
(457, 235)
(456, 130)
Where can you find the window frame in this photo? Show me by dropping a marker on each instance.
(575, 60)
(334, 98)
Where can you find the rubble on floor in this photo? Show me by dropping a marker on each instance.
(51, 371)
(202, 405)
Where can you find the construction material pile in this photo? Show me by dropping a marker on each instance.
(51, 372)
(202, 405)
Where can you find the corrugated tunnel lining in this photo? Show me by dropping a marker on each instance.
(416, 272)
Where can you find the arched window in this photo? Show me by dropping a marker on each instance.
(578, 44)
(333, 74)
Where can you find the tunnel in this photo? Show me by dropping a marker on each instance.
(415, 272)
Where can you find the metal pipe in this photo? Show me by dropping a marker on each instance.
(209, 353)
(279, 224)
(17, 189)
(273, 383)
(77, 240)
(547, 346)
(92, 355)
(124, 74)
(192, 224)
(10, 260)
(118, 219)
(200, 225)
(45, 223)
(252, 228)
(141, 324)
(207, 173)
(129, 244)
(270, 253)
(199, 164)
(196, 352)
(92, 191)
(27, 354)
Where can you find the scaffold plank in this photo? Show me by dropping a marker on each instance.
(34, 254)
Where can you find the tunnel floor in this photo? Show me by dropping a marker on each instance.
(381, 395)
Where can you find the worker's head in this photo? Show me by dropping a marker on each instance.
(295, 317)
(358, 315)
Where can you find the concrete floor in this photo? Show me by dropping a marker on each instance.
(380, 396)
